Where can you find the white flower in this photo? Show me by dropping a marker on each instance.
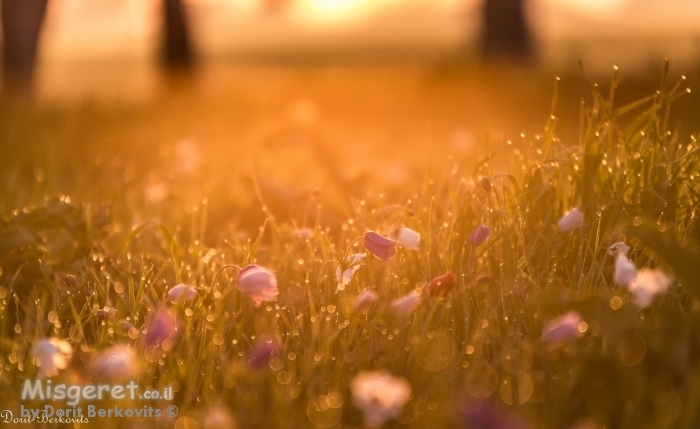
(353, 262)
(181, 293)
(647, 285)
(618, 248)
(379, 396)
(406, 237)
(303, 233)
(625, 270)
(116, 363)
(51, 355)
(571, 220)
(257, 283)
(404, 305)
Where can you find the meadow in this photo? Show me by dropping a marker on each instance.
(289, 277)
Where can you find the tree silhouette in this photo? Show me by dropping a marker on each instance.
(505, 33)
(177, 46)
(21, 24)
(21, 27)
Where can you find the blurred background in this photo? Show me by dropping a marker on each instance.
(348, 96)
(111, 48)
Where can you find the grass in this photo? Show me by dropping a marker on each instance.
(632, 367)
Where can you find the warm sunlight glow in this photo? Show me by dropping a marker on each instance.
(592, 7)
(339, 9)
(332, 6)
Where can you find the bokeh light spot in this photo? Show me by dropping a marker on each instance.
(482, 381)
(436, 352)
(519, 384)
(632, 349)
(321, 414)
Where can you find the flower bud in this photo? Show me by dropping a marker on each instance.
(405, 305)
(483, 279)
(260, 354)
(563, 329)
(365, 299)
(442, 284)
(480, 235)
(570, 221)
(161, 327)
(258, 283)
(381, 247)
(181, 293)
(406, 237)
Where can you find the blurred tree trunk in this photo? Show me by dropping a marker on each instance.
(505, 33)
(21, 25)
(177, 46)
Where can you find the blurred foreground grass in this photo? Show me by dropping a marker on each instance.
(104, 211)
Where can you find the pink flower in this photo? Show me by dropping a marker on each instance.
(480, 235)
(260, 354)
(258, 283)
(365, 299)
(487, 414)
(563, 328)
(162, 327)
(181, 293)
(381, 247)
(442, 284)
(404, 305)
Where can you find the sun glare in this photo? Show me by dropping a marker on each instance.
(339, 9)
(592, 7)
